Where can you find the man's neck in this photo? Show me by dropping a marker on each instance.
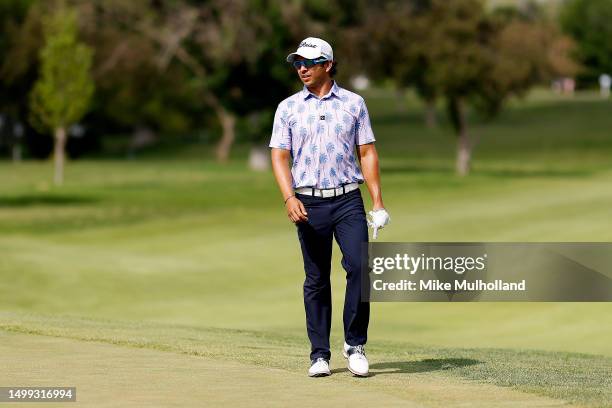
(322, 89)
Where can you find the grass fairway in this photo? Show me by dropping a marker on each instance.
(173, 273)
(129, 364)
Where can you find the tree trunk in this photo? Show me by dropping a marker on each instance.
(59, 155)
(430, 114)
(400, 98)
(464, 147)
(259, 158)
(16, 152)
(17, 138)
(228, 124)
(464, 154)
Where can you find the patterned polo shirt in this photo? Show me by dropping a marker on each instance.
(321, 135)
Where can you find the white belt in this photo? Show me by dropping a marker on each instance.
(327, 192)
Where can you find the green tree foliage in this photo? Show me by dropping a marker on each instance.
(173, 66)
(233, 53)
(63, 91)
(340, 22)
(588, 22)
(16, 75)
(249, 75)
(132, 92)
(458, 51)
(20, 40)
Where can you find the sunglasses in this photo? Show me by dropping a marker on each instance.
(308, 62)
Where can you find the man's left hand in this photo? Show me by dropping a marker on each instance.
(378, 219)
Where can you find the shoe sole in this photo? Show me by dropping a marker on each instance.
(349, 367)
(319, 374)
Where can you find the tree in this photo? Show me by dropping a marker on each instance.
(455, 50)
(133, 93)
(19, 42)
(588, 22)
(396, 49)
(236, 69)
(62, 93)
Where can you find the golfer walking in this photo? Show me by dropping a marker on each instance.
(318, 136)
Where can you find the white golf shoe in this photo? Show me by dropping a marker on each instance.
(319, 368)
(357, 361)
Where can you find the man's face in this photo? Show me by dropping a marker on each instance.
(314, 76)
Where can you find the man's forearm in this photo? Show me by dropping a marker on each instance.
(371, 173)
(280, 167)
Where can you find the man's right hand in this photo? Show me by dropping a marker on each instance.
(295, 210)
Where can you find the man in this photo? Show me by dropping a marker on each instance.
(320, 128)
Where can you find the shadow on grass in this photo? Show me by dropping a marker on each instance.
(546, 173)
(398, 169)
(494, 173)
(28, 200)
(422, 366)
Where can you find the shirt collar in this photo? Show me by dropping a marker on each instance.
(335, 90)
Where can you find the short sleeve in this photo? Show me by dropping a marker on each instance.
(363, 127)
(281, 132)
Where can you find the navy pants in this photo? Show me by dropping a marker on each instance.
(343, 217)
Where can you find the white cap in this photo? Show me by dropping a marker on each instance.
(312, 48)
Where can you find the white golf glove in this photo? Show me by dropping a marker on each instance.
(378, 219)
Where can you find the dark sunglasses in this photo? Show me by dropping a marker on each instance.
(308, 62)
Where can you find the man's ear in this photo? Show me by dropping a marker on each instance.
(328, 66)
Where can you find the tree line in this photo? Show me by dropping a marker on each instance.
(167, 67)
